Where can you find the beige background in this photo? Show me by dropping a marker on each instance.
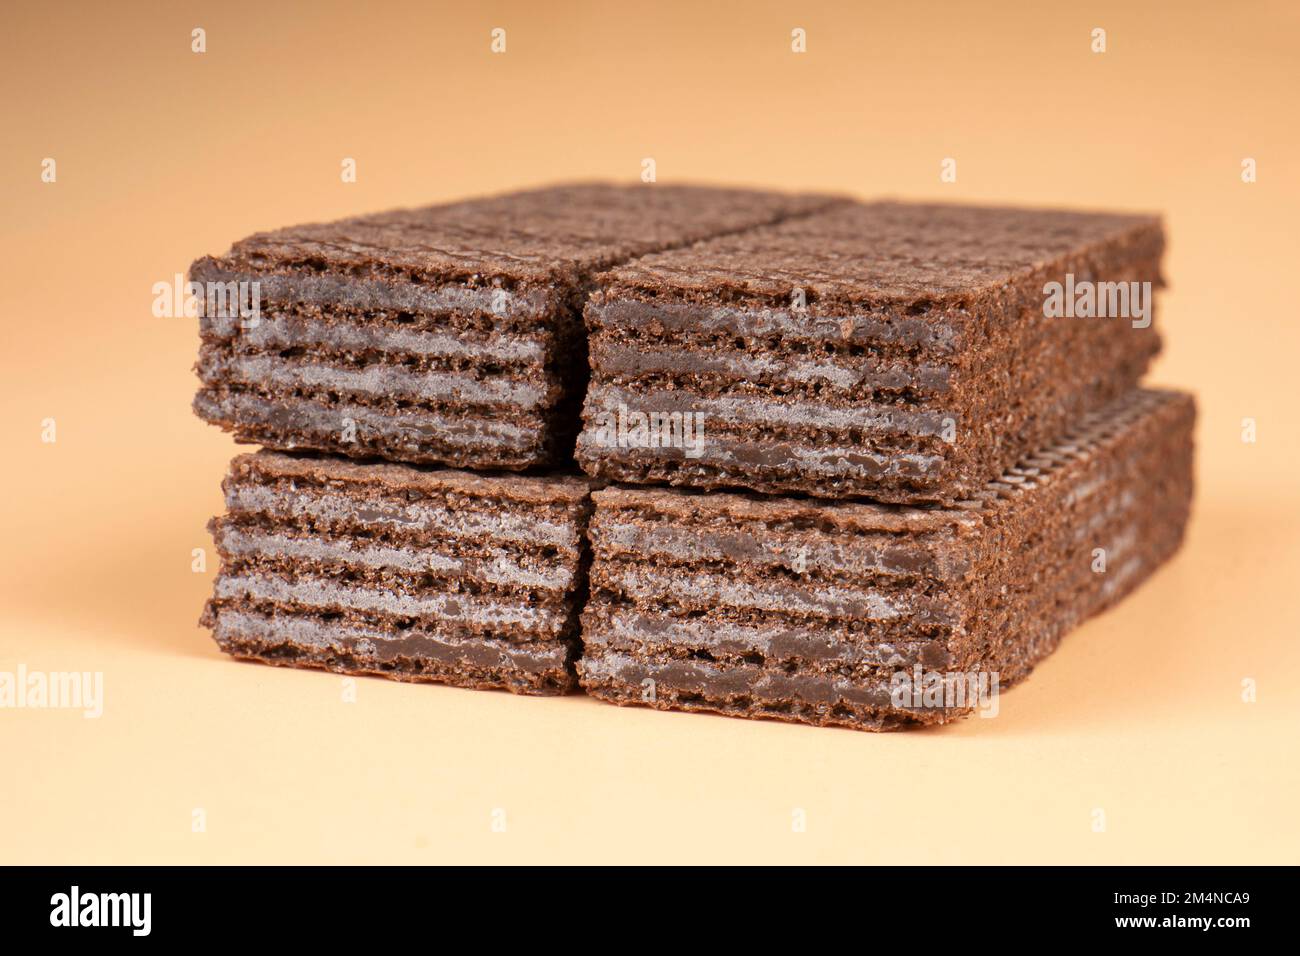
(164, 155)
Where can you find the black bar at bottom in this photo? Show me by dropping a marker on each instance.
(935, 904)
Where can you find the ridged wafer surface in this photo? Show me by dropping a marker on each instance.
(443, 335)
(367, 568)
(806, 610)
(894, 351)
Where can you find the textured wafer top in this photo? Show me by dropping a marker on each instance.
(539, 236)
(269, 465)
(890, 254)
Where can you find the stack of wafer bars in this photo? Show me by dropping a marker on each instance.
(767, 455)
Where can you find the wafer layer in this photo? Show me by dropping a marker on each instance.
(894, 351)
(386, 569)
(831, 613)
(449, 334)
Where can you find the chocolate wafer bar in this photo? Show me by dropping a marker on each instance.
(448, 334)
(877, 616)
(899, 352)
(421, 575)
